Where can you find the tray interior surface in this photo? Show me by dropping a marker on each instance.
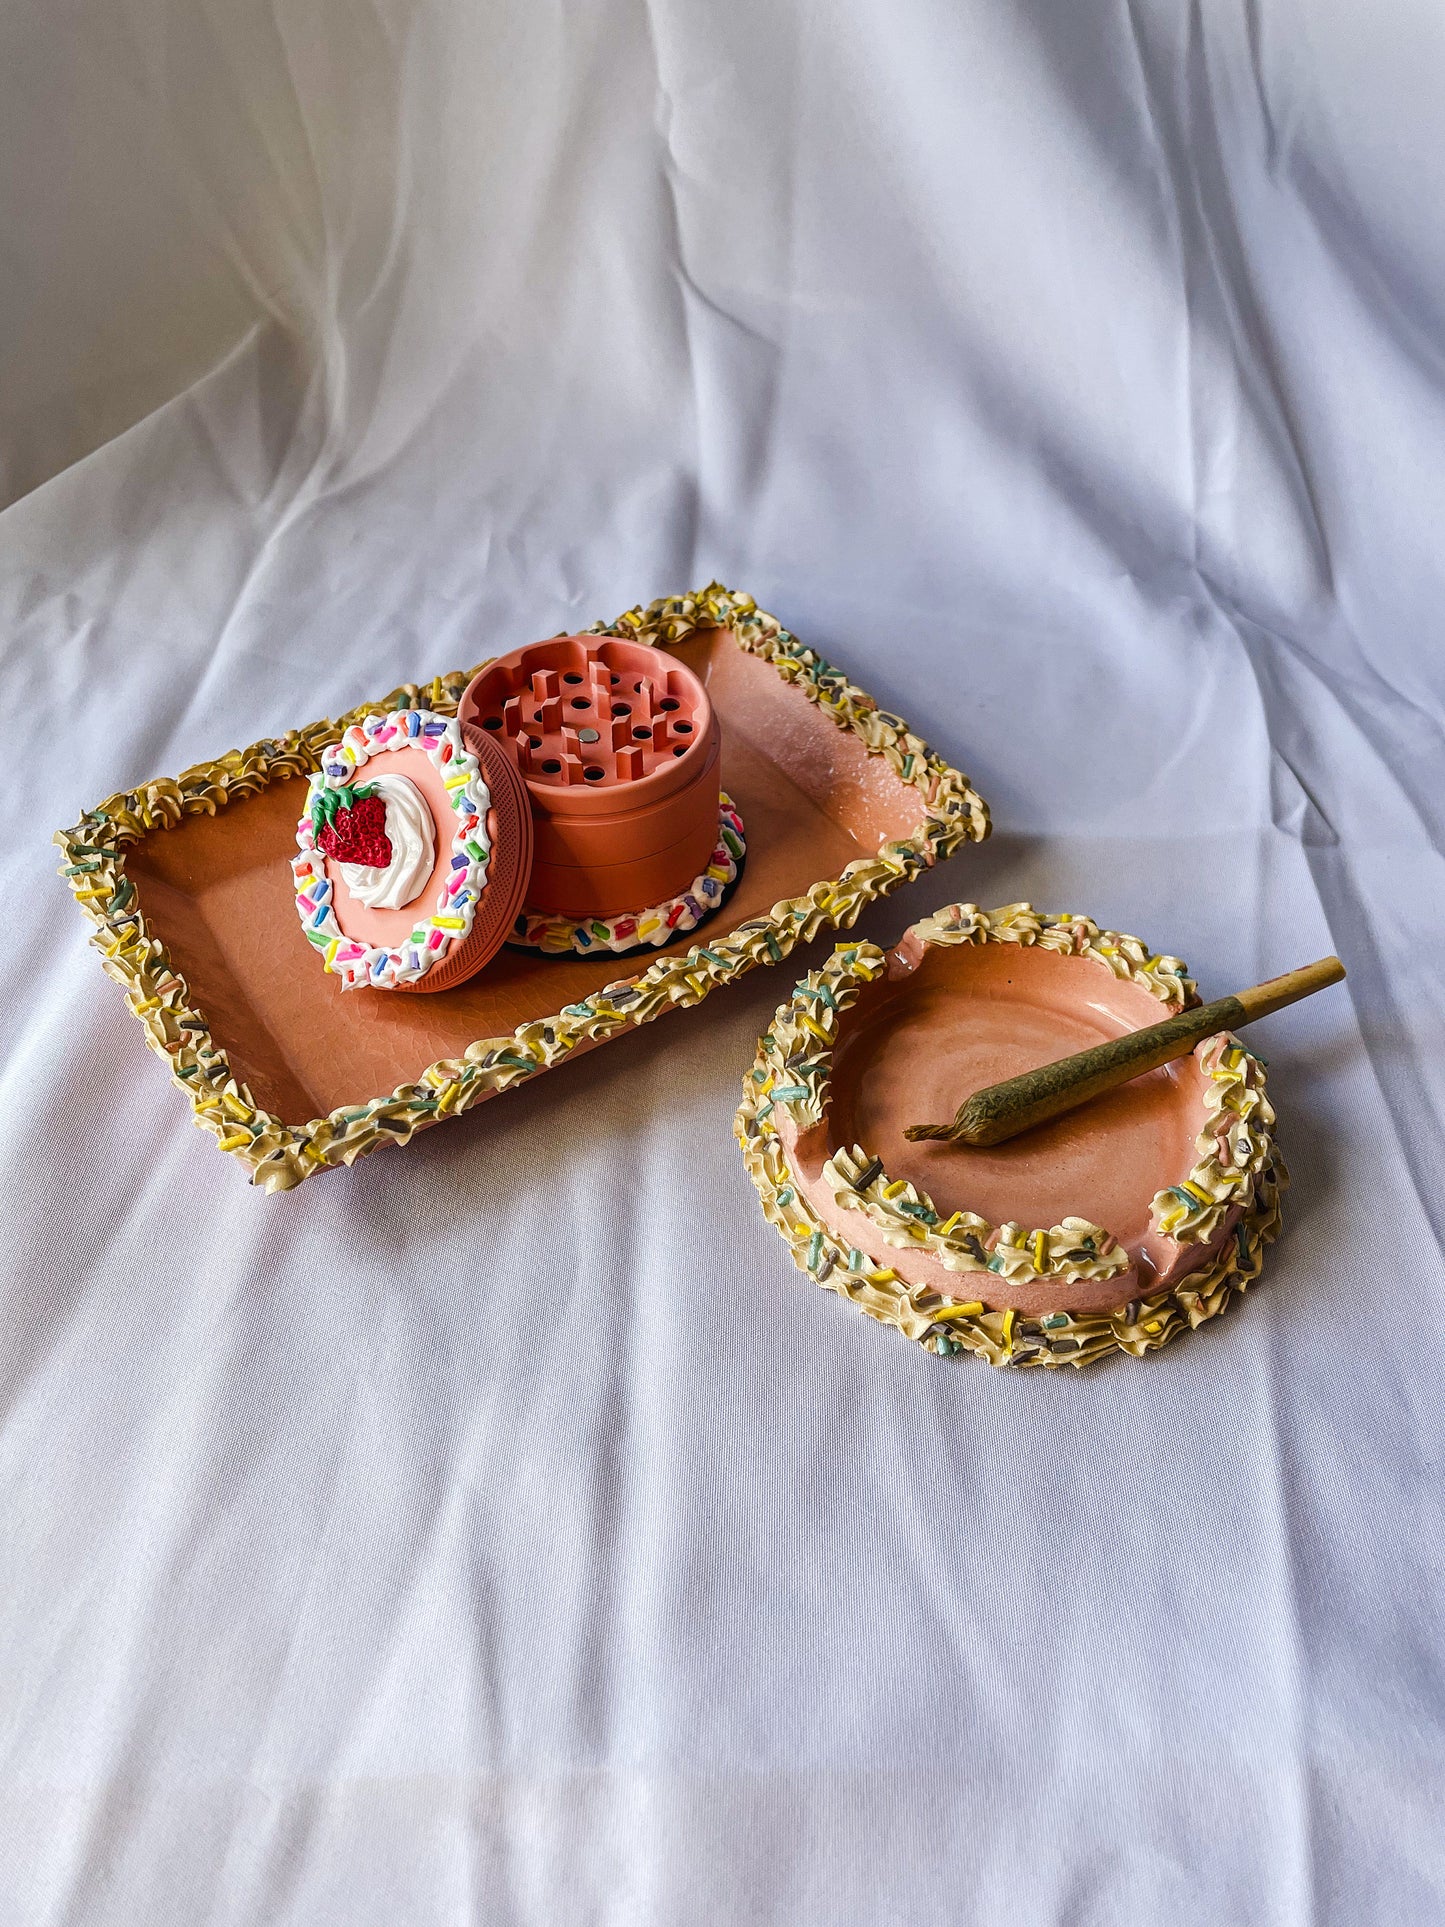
(217, 892)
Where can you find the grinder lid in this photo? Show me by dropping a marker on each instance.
(413, 853)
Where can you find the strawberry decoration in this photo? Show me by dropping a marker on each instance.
(350, 825)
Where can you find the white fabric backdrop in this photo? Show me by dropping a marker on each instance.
(505, 1532)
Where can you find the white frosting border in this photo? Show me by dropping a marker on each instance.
(377, 966)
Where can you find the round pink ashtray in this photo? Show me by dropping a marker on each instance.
(1114, 1226)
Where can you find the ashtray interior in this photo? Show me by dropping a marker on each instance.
(919, 1041)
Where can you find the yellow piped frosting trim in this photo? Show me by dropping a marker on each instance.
(1234, 1146)
(1163, 977)
(1073, 1249)
(279, 1155)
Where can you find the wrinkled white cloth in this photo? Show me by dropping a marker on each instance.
(504, 1531)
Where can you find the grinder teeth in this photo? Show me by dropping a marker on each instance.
(588, 716)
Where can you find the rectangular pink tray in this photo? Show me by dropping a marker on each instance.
(188, 880)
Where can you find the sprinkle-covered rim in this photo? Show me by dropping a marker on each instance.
(662, 923)
(380, 966)
(280, 1155)
(1237, 1166)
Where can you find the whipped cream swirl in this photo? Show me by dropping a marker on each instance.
(413, 849)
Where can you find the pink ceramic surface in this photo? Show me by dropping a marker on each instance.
(946, 1020)
(620, 750)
